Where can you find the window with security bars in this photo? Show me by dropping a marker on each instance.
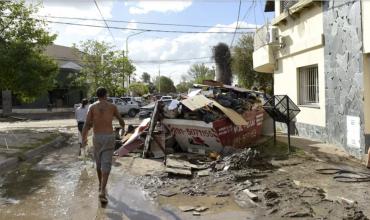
(286, 4)
(308, 81)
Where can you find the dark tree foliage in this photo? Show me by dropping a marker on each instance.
(242, 66)
(25, 70)
(222, 56)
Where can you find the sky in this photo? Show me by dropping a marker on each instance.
(152, 51)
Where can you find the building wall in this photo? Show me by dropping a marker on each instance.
(367, 92)
(301, 33)
(343, 71)
(303, 46)
(366, 24)
(367, 100)
(286, 83)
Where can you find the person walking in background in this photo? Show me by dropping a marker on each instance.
(80, 115)
(100, 117)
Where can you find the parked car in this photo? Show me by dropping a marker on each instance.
(146, 111)
(131, 100)
(124, 108)
(166, 97)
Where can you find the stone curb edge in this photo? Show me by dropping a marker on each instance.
(12, 162)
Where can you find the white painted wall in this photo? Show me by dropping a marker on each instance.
(302, 32)
(286, 83)
(366, 24)
(277, 8)
(367, 92)
(304, 47)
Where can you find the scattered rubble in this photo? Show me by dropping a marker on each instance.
(207, 153)
(186, 208)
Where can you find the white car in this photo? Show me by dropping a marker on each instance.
(125, 108)
(166, 97)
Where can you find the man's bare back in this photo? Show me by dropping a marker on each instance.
(101, 115)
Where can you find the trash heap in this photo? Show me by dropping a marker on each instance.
(215, 97)
(247, 158)
(211, 118)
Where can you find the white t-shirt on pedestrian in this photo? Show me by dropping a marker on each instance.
(81, 113)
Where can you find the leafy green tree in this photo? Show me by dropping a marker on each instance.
(145, 77)
(200, 72)
(102, 66)
(242, 65)
(138, 88)
(166, 85)
(25, 70)
(184, 85)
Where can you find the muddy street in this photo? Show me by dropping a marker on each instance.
(60, 185)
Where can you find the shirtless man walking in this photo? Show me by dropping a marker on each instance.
(100, 117)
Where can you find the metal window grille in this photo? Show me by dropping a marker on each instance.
(286, 4)
(308, 81)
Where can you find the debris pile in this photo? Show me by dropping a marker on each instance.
(247, 158)
(212, 117)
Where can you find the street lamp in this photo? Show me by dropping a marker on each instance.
(131, 35)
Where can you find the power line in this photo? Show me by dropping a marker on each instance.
(138, 61)
(139, 22)
(237, 23)
(106, 24)
(150, 30)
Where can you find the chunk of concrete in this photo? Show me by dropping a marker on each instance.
(186, 208)
(251, 195)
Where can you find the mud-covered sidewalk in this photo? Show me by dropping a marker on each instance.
(263, 183)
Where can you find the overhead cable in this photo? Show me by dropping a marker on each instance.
(145, 23)
(237, 23)
(151, 30)
(106, 24)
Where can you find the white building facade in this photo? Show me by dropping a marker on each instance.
(319, 55)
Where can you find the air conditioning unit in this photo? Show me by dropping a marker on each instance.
(273, 36)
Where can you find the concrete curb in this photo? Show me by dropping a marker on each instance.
(12, 162)
(34, 152)
(8, 163)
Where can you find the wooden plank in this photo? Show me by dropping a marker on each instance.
(251, 195)
(186, 172)
(232, 115)
(170, 162)
(196, 102)
(153, 123)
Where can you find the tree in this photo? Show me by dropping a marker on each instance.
(183, 86)
(242, 65)
(25, 70)
(102, 66)
(222, 56)
(145, 77)
(200, 72)
(138, 88)
(166, 85)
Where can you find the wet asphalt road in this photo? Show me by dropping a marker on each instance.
(59, 185)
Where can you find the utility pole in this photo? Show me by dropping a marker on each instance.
(159, 73)
(137, 33)
(123, 69)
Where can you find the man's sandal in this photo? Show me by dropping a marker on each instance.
(103, 198)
